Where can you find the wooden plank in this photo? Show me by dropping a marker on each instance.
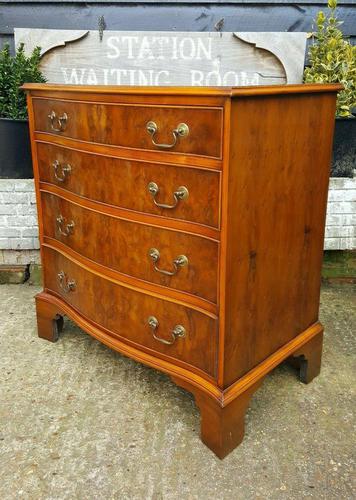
(143, 95)
(166, 58)
(169, 17)
(222, 2)
(7, 39)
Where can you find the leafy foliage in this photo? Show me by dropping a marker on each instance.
(14, 71)
(333, 59)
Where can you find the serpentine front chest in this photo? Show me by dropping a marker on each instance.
(183, 227)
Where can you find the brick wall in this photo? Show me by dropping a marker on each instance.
(340, 232)
(18, 218)
(19, 230)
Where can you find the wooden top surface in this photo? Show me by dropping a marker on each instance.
(201, 91)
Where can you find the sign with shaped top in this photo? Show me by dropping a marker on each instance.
(167, 58)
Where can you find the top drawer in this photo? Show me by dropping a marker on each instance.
(179, 129)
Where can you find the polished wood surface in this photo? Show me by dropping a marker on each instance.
(167, 157)
(249, 297)
(276, 247)
(124, 313)
(124, 246)
(125, 125)
(124, 183)
(162, 92)
(307, 359)
(131, 215)
(223, 420)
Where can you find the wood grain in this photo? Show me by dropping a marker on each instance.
(124, 246)
(169, 294)
(250, 299)
(124, 183)
(131, 215)
(126, 125)
(157, 157)
(168, 58)
(114, 93)
(124, 313)
(276, 248)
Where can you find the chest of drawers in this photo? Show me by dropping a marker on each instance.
(183, 227)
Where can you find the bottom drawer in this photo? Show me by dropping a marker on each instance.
(126, 313)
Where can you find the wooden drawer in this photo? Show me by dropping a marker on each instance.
(125, 312)
(124, 246)
(125, 183)
(126, 125)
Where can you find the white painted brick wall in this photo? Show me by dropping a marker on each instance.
(340, 231)
(19, 230)
(18, 216)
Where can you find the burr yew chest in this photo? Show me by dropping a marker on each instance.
(183, 227)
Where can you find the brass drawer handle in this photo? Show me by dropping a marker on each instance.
(66, 284)
(178, 331)
(68, 228)
(61, 172)
(178, 262)
(181, 131)
(182, 193)
(58, 123)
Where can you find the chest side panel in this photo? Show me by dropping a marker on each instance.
(278, 180)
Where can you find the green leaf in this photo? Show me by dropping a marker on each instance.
(14, 72)
(333, 59)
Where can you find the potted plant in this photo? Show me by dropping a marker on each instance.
(15, 155)
(332, 59)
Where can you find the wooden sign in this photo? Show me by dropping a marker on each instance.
(167, 58)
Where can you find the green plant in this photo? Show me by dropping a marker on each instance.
(333, 59)
(14, 71)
